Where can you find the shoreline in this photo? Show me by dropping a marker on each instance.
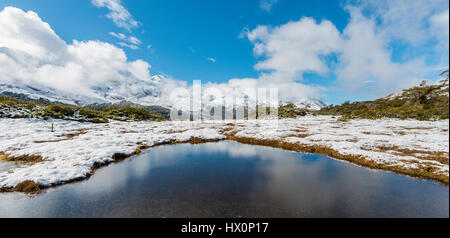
(232, 132)
(30, 187)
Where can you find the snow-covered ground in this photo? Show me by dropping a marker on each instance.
(70, 152)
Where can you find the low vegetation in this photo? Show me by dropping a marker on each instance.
(291, 111)
(132, 113)
(420, 103)
(15, 108)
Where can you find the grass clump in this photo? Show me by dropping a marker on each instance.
(24, 159)
(28, 186)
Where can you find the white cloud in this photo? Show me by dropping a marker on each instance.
(363, 50)
(117, 13)
(295, 47)
(131, 46)
(267, 5)
(132, 42)
(32, 54)
(405, 21)
(364, 57)
(211, 59)
(370, 38)
(288, 51)
(440, 28)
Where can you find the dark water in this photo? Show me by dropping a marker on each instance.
(228, 179)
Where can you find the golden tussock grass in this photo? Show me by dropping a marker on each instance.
(440, 156)
(375, 133)
(28, 186)
(25, 159)
(417, 128)
(297, 135)
(128, 132)
(3, 156)
(72, 135)
(69, 136)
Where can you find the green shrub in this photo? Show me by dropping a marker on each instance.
(59, 111)
(132, 113)
(89, 113)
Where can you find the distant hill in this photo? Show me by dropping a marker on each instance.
(165, 112)
(16, 108)
(425, 102)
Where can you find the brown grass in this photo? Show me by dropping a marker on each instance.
(3, 156)
(25, 159)
(300, 130)
(28, 186)
(69, 136)
(297, 135)
(72, 135)
(440, 156)
(128, 132)
(176, 132)
(417, 128)
(402, 133)
(374, 133)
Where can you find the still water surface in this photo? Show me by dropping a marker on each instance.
(229, 179)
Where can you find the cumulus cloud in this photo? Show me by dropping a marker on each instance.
(365, 63)
(295, 47)
(363, 50)
(117, 13)
(32, 54)
(267, 5)
(286, 52)
(403, 21)
(375, 28)
(440, 28)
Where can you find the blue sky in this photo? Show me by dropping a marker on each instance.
(209, 40)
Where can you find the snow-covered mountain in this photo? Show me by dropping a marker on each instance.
(135, 91)
(145, 93)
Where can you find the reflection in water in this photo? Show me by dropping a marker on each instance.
(229, 179)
